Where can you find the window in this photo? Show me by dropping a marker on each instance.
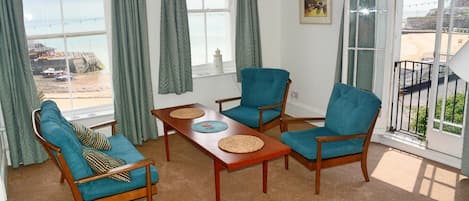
(211, 25)
(68, 50)
(365, 28)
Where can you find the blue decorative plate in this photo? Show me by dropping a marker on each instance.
(209, 126)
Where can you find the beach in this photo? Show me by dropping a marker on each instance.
(420, 46)
(88, 89)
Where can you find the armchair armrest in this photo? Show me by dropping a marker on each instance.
(286, 121)
(111, 123)
(269, 107)
(220, 101)
(302, 119)
(125, 168)
(321, 139)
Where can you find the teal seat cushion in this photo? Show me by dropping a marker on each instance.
(250, 116)
(56, 130)
(122, 149)
(351, 110)
(263, 86)
(304, 143)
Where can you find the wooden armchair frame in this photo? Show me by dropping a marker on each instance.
(270, 124)
(331, 162)
(66, 174)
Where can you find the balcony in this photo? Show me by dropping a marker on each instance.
(410, 106)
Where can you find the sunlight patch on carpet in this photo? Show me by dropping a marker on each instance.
(398, 169)
(413, 174)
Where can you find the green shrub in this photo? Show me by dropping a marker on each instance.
(421, 124)
(458, 106)
(451, 104)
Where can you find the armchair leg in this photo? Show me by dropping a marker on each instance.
(62, 178)
(318, 167)
(365, 170)
(148, 178)
(260, 129)
(286, 162)
(318, 177)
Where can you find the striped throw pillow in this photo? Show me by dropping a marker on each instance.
(101, 162)
(91, 138)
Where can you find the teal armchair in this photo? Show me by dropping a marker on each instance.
(350, 119)
(263, 98)
(58, 138)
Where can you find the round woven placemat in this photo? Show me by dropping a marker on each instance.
(187, 113)
(240, 144)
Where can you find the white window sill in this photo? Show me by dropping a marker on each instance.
(415, 147)
(89, 112)
(205, 75)
(208, 70)
(403, 138)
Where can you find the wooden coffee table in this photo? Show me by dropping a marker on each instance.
(208, 142)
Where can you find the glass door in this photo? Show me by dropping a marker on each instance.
(448, 92)
(364, 53)
(428, 98)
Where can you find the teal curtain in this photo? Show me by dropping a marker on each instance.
(175, 71)
(17, 88)
(340, 48)
(133, 97)
(465, 150)
(248, 39)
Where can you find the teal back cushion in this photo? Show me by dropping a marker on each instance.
(263, 86)
(351, 110)
(58, 131)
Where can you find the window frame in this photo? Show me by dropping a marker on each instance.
(207, 69)
(92, 110)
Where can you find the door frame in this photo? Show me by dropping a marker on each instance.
(437, 139)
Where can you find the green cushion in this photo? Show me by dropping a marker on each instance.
(351, 110)
(56, 130)
(105, 187)
(250, 116)
(263, 86)
(304, 142)
(101, 163)
(91, 138)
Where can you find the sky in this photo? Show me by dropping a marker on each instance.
(73, 9)
(413, 8)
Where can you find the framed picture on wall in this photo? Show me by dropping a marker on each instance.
(315, 11)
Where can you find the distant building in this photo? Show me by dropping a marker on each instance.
(461, 3)
(428, 22)
(43, 58)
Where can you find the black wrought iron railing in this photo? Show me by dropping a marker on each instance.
(411, 94)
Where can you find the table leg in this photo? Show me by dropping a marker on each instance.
(286, 162)
(166, 142)
(264, 176)
(217, 167)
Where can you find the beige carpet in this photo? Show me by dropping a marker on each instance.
(394, 175)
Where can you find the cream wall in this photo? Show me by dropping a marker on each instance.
(309, 52)
(207, 89)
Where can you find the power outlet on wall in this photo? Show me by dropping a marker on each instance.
(294, 94)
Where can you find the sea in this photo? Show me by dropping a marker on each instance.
(43, 25)
(202, 51)
(98, 44)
